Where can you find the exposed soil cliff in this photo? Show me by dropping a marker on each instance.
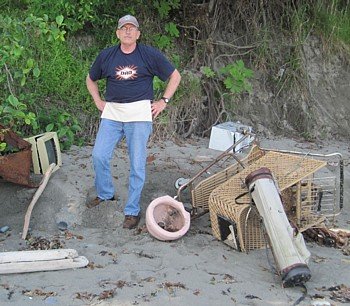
(316, 107)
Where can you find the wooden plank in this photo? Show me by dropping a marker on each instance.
(37, 255)
(47, 265)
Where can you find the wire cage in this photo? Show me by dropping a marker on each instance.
(311, 201)
(318, 197)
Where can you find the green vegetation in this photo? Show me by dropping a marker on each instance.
(46, 48)
(333, 20)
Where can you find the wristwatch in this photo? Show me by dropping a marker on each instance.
(166, 100)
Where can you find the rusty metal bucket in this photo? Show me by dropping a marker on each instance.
(15, 167)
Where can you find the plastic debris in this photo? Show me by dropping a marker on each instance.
(4, 229)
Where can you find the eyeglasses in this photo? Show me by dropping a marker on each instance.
(128, 29)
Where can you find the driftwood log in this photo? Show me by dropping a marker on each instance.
(37, 255)
(35, 199)
(40, 260)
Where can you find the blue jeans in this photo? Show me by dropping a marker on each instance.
(109, 135)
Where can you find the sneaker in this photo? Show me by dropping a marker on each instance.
(131, 222)
(96, 201)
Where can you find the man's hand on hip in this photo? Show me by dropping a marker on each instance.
(100, 104)
(157, 107)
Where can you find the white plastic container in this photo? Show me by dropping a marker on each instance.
(224, 135)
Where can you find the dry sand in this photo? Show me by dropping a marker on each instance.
(132, 268)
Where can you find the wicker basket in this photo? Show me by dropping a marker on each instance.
(289, 172)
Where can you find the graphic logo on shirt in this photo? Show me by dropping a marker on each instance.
(126, 72)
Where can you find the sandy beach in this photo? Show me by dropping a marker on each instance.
(129, 267)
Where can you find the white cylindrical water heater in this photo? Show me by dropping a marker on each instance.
(289, 250)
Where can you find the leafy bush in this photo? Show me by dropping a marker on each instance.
(39, 69)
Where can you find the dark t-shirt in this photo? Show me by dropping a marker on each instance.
(129, 77)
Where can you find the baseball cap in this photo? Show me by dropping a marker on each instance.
(127, 19)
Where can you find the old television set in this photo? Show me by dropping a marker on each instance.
(45, 151)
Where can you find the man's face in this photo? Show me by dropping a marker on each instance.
(128, 34)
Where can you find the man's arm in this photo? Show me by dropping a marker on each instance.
(94, 92)
(173, 83)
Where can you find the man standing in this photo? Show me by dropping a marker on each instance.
(127, 110)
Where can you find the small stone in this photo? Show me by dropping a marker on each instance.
(62, 226)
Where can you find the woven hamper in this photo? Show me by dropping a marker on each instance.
(231, 202)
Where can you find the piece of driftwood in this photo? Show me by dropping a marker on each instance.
(37, 255)
(329, 237)
(43, 265)
(35, 199)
